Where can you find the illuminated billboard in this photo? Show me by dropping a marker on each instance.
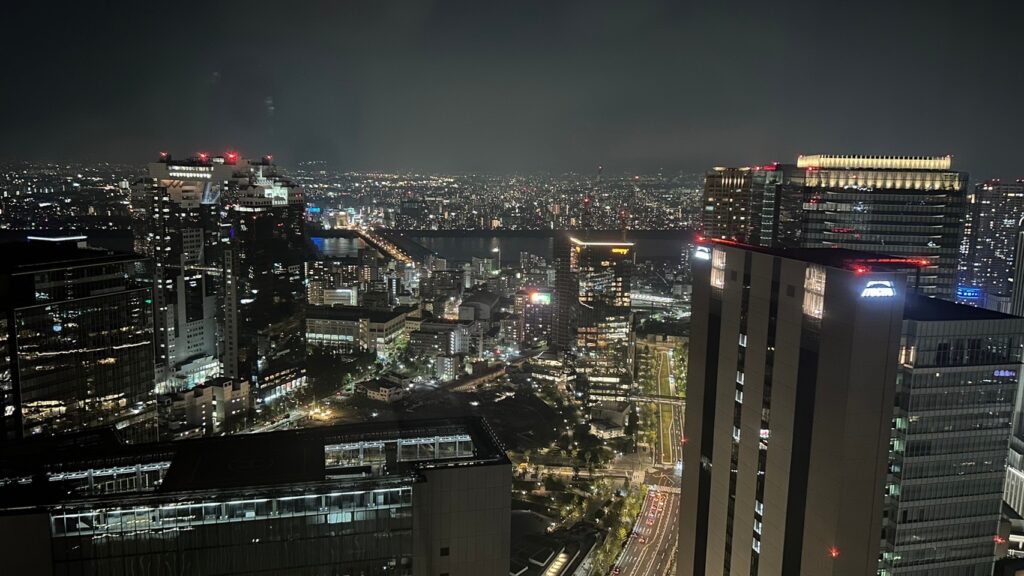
(540, 298)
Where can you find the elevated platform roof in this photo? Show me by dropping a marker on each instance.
(56, 470)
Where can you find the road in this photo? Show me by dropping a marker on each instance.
(651, 549)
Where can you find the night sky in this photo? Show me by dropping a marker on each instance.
(514, 86)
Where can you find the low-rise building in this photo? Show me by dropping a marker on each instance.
(384, 390)
(419, 498)
(352, 329)
(219, 405)
(447, 368)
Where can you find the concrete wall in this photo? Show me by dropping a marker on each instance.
(466, 510)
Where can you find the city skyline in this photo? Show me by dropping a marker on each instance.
(451, 288)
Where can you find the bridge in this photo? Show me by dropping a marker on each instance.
(381, 244)
(660, 399)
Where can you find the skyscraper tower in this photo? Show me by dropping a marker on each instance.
(789, 404)
(77, 335)
(176, 222)
(602, 272)
(727, 204)
(905, 206)
(828, 405)
(228, 238)
(264, 295)
(994, 210)
(958, 376)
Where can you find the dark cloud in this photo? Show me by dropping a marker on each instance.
(504, 86)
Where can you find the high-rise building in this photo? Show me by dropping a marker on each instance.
(792, 368)
(858, 409)
(601, 272)
(420, 498)
(534, 315)
(727, 204)
(263, 264)
(566, 295)
(955, 390)
(905, 206)
(77, 336)
(1017, 297)
(176, 222)
(776, 205)
(994, 212)
(229, 239)
(909, 207)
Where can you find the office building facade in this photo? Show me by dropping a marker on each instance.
(176, 222)
(792, 355)
(864, 429)
(955, 391)
(728, 208)
(412, 499)
(264, 256)
(908, 207)
(911, 207)
(603, 348)
(349, 329)
(994, 212)
(78, 335)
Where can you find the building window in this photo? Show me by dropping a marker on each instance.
(444, 551)
(718, 268)
(814, 291)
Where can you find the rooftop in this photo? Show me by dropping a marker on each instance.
(857, 161)
(579, 242)
(61, 469)
(925, 309)
(355, 313)
(843, 258)
(47, 254)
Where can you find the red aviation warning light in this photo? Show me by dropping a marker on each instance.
(231, 158)
(203, 156)
(164, 156)
(833, 552)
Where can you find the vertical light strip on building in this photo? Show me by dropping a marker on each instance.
(766, 410)
(737, 412)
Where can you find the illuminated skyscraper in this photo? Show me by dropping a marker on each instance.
(792, 369)
(905, 206)
(727, 204)
(602, 274)
(265, 252)
(176, 222)
(77, 341)
(228, 238)
(854, 426)
(955, 390)
(990, 240)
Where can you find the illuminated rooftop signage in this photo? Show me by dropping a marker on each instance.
(878, 289)
(702, 253)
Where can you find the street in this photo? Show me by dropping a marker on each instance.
(651, 548)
